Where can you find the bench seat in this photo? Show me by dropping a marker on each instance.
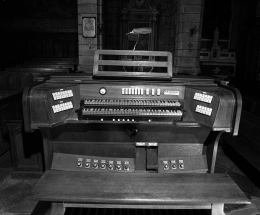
(138, 190)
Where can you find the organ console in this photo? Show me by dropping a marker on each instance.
(151, 130)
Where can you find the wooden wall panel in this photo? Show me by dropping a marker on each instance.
(37, 39)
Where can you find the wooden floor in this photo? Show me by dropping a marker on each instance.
(14, 194)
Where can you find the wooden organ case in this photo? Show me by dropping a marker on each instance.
(145, 141)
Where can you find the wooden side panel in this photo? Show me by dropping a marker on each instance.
(27, 157)
(44, 108)
(222, 107)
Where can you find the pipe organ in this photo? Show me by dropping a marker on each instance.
(132, 127)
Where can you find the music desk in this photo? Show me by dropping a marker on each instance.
(138, 190)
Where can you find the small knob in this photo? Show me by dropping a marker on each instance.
(126, 168)
(95, 165)
(79, 164)
(174, 166)
(110, 166)
(87, 165)
(103, 166)
(166, 166)
(118, 167)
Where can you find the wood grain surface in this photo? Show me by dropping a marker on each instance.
(138, 188)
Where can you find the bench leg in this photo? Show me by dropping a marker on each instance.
(217, 209)
(56, 209)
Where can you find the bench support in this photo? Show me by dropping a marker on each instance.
(56, 209)
(217, 209)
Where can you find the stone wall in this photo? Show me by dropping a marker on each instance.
(87, 46)
(166, 25)
(179, 30)
(188, 35)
